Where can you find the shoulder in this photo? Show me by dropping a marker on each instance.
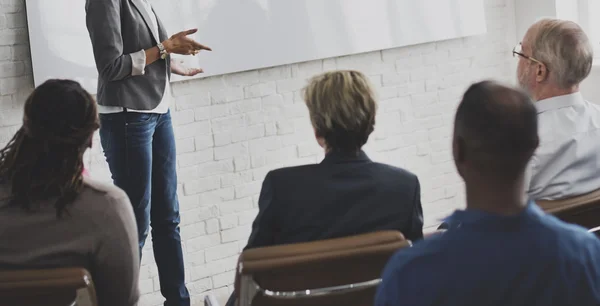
(563, 229)
(578, 251)
(385, 172)
(99, 189)
(572, 240)
(578, 235)
(396, 176)
(595, 107)
(422, 252)
(396, 171)
(294, 171)
(404, 278)
(105, 198)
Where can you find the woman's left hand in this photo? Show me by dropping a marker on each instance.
(176, 68)
(191, 71)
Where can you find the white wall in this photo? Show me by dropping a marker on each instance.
(232, 130)
(589, 87)
(529, 11)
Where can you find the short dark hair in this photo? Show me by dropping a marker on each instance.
(342, 108)
(44, 160)
(498, 126)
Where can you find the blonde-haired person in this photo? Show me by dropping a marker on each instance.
(555, 56)
(347, 193)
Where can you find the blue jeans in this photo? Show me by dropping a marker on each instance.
(140, 151)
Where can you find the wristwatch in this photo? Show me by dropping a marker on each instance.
(163, 51)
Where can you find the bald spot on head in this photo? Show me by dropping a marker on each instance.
(497, 128)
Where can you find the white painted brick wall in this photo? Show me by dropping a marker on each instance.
(232, 130)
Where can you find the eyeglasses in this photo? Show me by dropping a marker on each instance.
(518, 51)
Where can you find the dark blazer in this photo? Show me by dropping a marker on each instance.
(118, 28)
(344, 195)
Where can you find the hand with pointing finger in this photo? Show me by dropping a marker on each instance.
(181, 43)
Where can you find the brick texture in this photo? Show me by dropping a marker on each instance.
(231, 130)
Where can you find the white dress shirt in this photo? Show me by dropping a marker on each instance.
(138, 60)
(567, 162)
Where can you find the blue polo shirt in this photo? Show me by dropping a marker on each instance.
(527, 259)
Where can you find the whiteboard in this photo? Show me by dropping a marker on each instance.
(252, 34)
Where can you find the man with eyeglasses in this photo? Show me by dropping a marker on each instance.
(555, 56)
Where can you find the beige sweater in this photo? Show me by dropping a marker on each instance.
(98, 233)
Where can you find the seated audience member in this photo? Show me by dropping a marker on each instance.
(554, 57)
(501, 250)
(347, 193)
(51, 215)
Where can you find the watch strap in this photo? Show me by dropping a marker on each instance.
(163, 51)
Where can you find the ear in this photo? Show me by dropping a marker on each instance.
(458, 149)
(320, 140)
(459, 153)
(541, 73)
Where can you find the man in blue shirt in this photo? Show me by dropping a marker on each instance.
(502, 250)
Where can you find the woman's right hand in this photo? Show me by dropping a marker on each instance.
(180, 43)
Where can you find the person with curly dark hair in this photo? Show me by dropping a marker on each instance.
(51, 215)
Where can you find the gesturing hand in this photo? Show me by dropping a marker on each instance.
(191, 71)
(180, 69)
(180, 43)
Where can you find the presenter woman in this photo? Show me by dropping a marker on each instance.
(132, 54)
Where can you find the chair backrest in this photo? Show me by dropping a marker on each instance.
(583, 210)
(343, 271)
(48, 287)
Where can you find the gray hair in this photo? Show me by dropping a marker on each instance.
(565, 49)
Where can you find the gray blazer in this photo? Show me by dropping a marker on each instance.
(118, 28)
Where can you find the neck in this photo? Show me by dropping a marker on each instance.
(549, 92)
(502, 198)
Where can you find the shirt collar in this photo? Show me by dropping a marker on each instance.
(559, 102)
(336, 157)
(472, 216)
